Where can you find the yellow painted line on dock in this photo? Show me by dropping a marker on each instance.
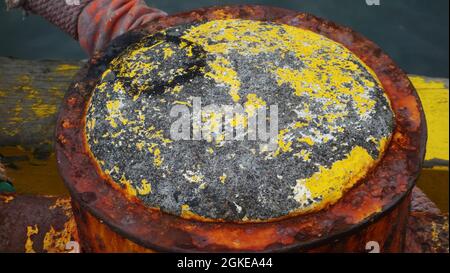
(434, 95)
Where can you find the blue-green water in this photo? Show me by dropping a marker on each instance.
(413, 32)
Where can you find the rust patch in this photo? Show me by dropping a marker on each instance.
(36, 224)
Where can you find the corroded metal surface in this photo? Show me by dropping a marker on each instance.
(427, 233)
(103, 240)
(36, 224)
(362, 207)
(427, 230)
(99, 238)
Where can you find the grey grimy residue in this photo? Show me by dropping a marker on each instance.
(192, 67)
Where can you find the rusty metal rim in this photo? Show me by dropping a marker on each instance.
(81, 176)
(292, 248)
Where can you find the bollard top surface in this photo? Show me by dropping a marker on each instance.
(332, 123)
(156, 225)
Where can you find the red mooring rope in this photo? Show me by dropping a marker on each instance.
(64, 14)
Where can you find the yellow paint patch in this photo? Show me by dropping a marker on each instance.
(239, 120)
(304, 154)
(435, 101)
(157, 160)
(64, 204)
(253, 103)
(56, 241)
(91, 124)
(330, 184)
(241, 35)
(308, 140)
(193, 177)
(182, 103)
(66, 68)
(44, 110)
(114, 111)
(31, 231)
(222, 72)
(310, 83)
(284, 145)
(140, 145)
(168, 52)
(128, 186)
(223, 178)
(186, 212)
(424, 83)
(145, 187)
(113, 106)
(177, 89)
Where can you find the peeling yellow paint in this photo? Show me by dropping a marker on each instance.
(185, 211)
(44, 110)
(330, 183)
(283, 144)
(304, 154)
(157, 161)
(177, 89)
(222, 72)
(193, 177)
(308, 140)
(56, 241)
(63, 203)
(31, 231)
(140, 145)
(168, 52)
(182, 103)
(145, 187)
(66, 68)
(91, 124)
(253, 103)
(128, 186)
(223, 178)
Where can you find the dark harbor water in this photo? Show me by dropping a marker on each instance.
(413, 32)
